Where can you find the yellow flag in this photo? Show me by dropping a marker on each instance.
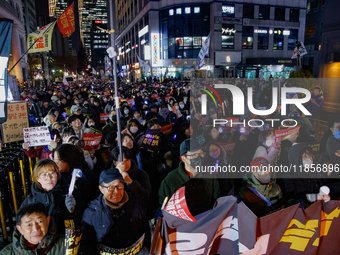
(44, 36)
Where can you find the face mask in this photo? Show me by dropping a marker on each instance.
(264, 179)
(196, 162)
(269, 142)
(337, 134)
(126, 111)
(181, 106)
(185, 99)
(86, 105)
(91, 125)
(176, 107)
(133, 130)
(307, 163)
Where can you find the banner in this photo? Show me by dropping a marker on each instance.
(228, 147)
(131, 101)
(143, 64)
(133, 249)
(17, 120)
(167, 129)
(231, 228)
(92, 141)
(37, 136)
(104, 117)
(204, 52)
(6, 26)
(230, 121)
(66, 21)
(301, 51)
(44, 36)
(285, 134)
(167, 98)
(65, 82)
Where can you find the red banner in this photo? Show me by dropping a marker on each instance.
(66, 21)
(231, 121)
(130, 101)
(167, 98)
(177, 205)
(103, 117)
(155, 96)
(167, 129)
(91, 141)
(284, 134)
(228, 147)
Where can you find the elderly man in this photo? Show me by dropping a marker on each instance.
(36, 233)
(114, 219)
(200, 193)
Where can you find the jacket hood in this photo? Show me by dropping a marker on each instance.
(295, 154)
(153, 105)
(332, 146)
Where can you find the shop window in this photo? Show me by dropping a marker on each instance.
(179, 11)
(280, 14)
(197, 42)
(197, 10)
(292, 38)
(248, 11)
(264, 13)
(247, 37)
(294, 15)
(171, 12)
(187, 10)
(228, 35)
(188, 42)
(278, 39)
(262, 38)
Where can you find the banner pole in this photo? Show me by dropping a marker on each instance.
(35, 41)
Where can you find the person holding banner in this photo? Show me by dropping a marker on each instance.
(35, 233)
(51, 190)
(114, 219)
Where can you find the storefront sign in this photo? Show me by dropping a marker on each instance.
(155, 49)
(227, 58)
(143, 31)
(225, 20)
(228, 31)
(260, 31)
(227, 9)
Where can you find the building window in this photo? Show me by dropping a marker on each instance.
(310, 31)
(197, 9)
(292, 38)
(171, 12)
(179, 11)
(248, 11)
(228, 34)
(280, 14)
(228, 11)
(262, 38)
(247, 37)
(187, 10)
(294, 15)
(264, 13)
(278, 39)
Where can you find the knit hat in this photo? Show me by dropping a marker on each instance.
(110, 175)
(190, 144)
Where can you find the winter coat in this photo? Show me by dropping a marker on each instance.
(115, 228)
(54, 201)
(178, 178)
(108, 128)
(51, 244)
(315, 108)
(258, 206)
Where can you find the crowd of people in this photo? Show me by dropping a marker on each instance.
(165, 139)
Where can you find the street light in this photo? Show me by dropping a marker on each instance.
(53, 71)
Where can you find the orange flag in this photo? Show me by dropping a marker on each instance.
(66, 21)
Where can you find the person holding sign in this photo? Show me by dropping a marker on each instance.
(49, 189)
(35, 233)
(114, 219)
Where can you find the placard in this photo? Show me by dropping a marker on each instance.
(92, 141)
(17, 120)
(167, 129)
(285, 134)
(103, 117)
(37, 136)
(228, 147)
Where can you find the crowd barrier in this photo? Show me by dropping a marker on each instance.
(16, 172)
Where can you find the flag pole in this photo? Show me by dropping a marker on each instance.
(113, 43)
(35, 41)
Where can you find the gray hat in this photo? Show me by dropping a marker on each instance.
(75, 108)
(54, 98)
(190, 144)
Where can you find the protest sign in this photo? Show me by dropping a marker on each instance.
(72, 241)
(177, 205)
(133, 249)
(17, 120)
(230, 121)
(167, 129)
(37, 136)
(131, 102)
(284, 134)
(228, 147)
(92, 141)
(167, 98)
(103, 117)
(151, 140)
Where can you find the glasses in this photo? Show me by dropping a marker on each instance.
(120, 186)
(48, 175)
(196, 155)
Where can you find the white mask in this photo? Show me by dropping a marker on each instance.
(126, 111)
(307, 163)
(176, 107)
(181, 106)
(133, 130)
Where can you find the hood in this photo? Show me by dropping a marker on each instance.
(318, 96)
(49, 240)
(153, 105)
(122, 110)
(332, 146)
(164, 113)
(295, 154)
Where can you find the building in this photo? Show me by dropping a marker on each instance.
(12, 9)
(89, 11)
(29, 16)
(249, 38)
(99, 43)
